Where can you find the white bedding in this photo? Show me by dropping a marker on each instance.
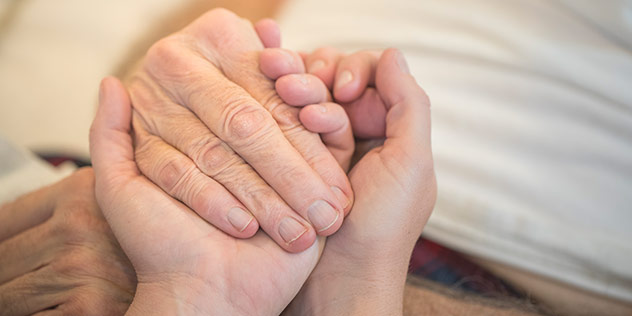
(532, 122)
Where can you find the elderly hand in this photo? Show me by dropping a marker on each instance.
(183, 264)
(211, 131)
(363, 267)
(58, 255)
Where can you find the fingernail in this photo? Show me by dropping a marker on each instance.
(342, 197)
(344, 78)
(322, 215)
(303, 80)
(317, 65)
(290, 229)
(322, 108)
(401, 62)
(288, 58)
(239, 218)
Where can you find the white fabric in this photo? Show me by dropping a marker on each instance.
(53, 55)
(532, 115)
(22, 172)
(532, 122)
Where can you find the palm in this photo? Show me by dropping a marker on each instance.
(375, 179)
(165, 238)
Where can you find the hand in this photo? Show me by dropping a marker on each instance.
(210, 130)
(363, 267)
(183, 264)
(58, 255)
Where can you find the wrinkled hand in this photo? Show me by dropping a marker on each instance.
(211, 131)
(363, 267)
(183, 264)
(59, 256)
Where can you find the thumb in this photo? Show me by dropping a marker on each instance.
(111, 145)
(408, 111)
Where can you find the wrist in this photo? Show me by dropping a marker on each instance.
(352, 291)
(179, 298)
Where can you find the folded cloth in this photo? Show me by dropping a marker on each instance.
(532, 122)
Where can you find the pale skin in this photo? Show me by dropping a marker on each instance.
(326, 59)
(348, 296)
(354, 276)
(109, 300)
(247, 162)
(169, 286)
(169, 279)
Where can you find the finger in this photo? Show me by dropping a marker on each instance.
(353, 74)
(177, 175)
(119, 187)
(302, 89)
(269, 33)
(25, 252)
(303, 55)
(26, 212)
(231, 59)
(322, 63)
(219, 162)
(331, 122)
(277, 62)
(408, 118)
(110, 141)
(251, 131)
(111, 150)
(367, 115)
(32, 292)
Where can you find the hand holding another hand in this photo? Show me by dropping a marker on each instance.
(363, 267)
(186, 266)
(210, 130)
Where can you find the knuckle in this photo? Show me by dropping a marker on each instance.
(219, 15)
(165, 168)
(168, 61)
(287, 117)
(171, 173)
(243, 121)
(76, 224)
(214, 156)
(217, 26)
(163, 52)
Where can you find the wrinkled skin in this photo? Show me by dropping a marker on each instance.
(58, 254)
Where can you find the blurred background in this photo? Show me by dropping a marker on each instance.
(531, 109)
(53, 55)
